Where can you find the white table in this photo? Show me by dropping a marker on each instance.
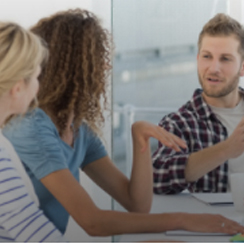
(183, 202)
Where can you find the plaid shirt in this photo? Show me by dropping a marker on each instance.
(199, 127)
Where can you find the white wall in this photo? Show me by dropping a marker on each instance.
(235, 9)
(27, 13)
(155, 24)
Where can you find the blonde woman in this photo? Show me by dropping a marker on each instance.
(61, 137)
(21, 55)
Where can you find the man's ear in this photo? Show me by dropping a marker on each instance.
(17, 89)
(242, 69)
(197, 56)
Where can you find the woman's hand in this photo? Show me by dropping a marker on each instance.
(142, 131)
(210, 223)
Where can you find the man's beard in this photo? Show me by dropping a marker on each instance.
(224, 91)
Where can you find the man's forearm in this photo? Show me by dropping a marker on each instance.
(201, 162)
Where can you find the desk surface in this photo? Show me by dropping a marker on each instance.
(183, 202)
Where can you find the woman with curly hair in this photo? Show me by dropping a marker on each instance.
(62, 136)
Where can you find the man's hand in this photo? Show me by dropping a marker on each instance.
(235, 142)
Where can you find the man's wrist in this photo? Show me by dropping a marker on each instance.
(224, 151)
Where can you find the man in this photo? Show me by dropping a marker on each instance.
(212, 122)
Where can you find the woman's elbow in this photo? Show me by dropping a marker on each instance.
(93, 228)
(140, 208)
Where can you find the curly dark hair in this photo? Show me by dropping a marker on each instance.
(75, 76)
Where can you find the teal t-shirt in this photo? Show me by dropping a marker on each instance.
(42, 151)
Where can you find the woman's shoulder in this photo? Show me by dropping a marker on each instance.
(38, 115)
(33, 122)
(86, 130)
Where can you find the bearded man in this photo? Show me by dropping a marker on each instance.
(212, 122)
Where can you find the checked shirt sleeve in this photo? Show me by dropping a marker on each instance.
(169, 165)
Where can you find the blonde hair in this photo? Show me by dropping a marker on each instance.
(21, 52)
(223, 25)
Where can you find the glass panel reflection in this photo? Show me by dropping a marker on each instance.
(154, 70)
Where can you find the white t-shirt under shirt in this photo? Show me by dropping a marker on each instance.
(230, 118)
(20, 218)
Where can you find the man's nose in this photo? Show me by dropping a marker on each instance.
(214, 66)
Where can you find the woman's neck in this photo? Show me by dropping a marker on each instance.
(5, 110)
(67, 134)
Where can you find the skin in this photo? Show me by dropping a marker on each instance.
(18, 98)
(98, 222)
(219, 67)
(135, 194)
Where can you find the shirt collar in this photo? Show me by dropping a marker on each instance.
(202, 109)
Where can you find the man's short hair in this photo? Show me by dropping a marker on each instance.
(223, 25)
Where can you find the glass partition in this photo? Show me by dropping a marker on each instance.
(154, 66)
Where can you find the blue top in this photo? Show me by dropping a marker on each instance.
(42, 151)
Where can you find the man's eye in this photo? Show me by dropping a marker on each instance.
(225, 59)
